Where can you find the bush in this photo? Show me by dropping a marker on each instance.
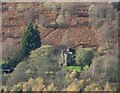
(92, 87)
(102, 14)
(72, 87)
(30, 85)
(61, 21)
(105, 66)
(111, 68)
(41, 61)
(51, 87)
(36, 84)
(20, 7)
(17, 87)
(108, 87)
(18, 75)
(53, 6)
(82, 84)
(44, 59)
(97, 65)
(71, 8)
(44, 50)
(74, 74)
(84, 56)
(12, 53)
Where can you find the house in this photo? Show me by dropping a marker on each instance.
(67, 58)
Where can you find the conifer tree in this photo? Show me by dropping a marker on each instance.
(30, 39)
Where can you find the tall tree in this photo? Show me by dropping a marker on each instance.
(30, 39)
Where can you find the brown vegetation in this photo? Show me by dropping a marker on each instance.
(79, 33)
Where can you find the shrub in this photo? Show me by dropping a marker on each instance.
(107, 87)
(109, 34)
(53, 6)
(74, 74)
(71, 8)
(82, 84)
(61, 79)
(50, 25)
(17, 87)
(61, 21)
(26, 87)
(102, 14)
(97, 65)
(84, 56)
(12, 53)
(41, 61)
(53, 25)
(105, 67)
(18, 75)
(92, 87)
(44, 59)
(20, 7)
(72, 87)
(37, 84)
(31, 85)
(44, 50)
(51, 87)
(111, 68)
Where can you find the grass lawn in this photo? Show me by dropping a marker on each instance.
(76, 68)
(86, 67)
(71, 68)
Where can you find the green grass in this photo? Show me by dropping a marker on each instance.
(86, 67)
(71, 68)
(76, 68)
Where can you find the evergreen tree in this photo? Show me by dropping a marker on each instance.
(30, 39)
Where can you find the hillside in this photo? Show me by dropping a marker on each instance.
(77, 49)
(76, 33)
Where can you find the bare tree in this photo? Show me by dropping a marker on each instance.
(29, 15)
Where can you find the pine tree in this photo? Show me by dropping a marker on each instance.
(30, 39)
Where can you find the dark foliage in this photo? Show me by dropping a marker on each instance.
(30, 39)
